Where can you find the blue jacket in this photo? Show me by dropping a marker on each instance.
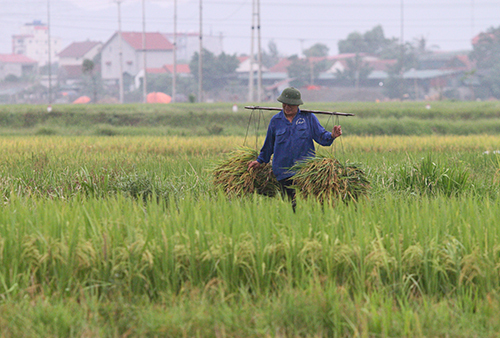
(292, 142)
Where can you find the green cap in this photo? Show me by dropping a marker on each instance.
(290, 96)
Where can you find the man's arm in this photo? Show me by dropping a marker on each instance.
(267, 149)
(320, 134)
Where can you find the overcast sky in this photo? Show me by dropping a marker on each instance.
(293, 25)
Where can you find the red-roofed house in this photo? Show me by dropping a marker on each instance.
(281, 66)
(159, 51)
(457, 60)
(340, 62)
(71, 58)
(244, 66)
(483, 37)
(76, 52)
(182, 69)
(17, 65)
(157, 70)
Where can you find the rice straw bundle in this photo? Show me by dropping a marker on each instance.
(326, 179)
(234, 178)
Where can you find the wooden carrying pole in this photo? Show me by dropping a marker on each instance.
(302, 110)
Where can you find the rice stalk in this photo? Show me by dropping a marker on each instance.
(234, 178)
(326, 179)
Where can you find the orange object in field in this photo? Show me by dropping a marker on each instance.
(82, 99)
(158, 97)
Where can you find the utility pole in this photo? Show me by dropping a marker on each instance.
(259, 53)
(144, 83)
(402, 47)
(200, 59)
(311, 72)
(250, 73)
(472, 20)
(120, 51)
(49, 51)
(174, 75)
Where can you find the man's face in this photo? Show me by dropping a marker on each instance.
(288, 109)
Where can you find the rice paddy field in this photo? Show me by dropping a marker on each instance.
(126, 235)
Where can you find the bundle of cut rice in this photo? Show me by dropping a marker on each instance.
(233, 177)
(328, 180)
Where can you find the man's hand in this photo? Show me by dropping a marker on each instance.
(253, 165)
(337, 131)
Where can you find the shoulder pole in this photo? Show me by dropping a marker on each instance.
(302, 110)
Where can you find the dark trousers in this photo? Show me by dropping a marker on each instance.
(288, 192)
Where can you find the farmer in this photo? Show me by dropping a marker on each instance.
(290, 138)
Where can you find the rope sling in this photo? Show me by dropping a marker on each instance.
(260, 115)
(348, 180)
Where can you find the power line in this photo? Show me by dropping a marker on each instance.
(277, 22)
(63, 21)
(345, 4)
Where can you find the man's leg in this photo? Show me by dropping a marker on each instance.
(288, 191)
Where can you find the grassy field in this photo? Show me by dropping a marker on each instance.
(384, 118)
(126, 236)
(111, 226)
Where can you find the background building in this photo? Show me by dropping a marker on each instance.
(17, 65)
(71, 59)
(189, 43)
(159, 51)
(33, 43)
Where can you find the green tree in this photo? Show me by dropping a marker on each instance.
(299, 71)
(317, 50)
(354, 43)
(216, 70)
(270, 58)
(163, 83)
(372, 42)
(490, 81)
(395, 86)
(11, 78)
(91, 82)
(486, 53)
(356, 71)
(305, 71)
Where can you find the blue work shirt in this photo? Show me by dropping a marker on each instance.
(292, 141)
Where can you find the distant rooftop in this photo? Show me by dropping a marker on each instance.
(77, 49)
(154, 41)
(15, 58)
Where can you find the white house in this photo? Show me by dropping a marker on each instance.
(189, 43)
(246, 64)
(17, 65)
(76, 52)
(33, 42)
(71, 58)
(340, 63)
(159, 51)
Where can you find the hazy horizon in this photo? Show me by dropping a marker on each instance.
(293, 25)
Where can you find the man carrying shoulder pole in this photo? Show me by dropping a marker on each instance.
(290, 137)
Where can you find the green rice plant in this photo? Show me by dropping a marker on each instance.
(139, 186)
(327, 179)
(214, 129)
(430, 177)
(45, 131)
(496, 164)
(80, 257)
(235, 179)
(105, 131)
